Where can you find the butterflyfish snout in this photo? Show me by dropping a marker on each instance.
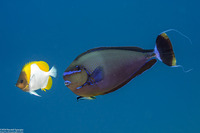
(22, 82)
(36, 75)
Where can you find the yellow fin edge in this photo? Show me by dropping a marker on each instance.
(49, 84)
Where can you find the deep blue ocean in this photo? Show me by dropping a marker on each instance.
(161, 100)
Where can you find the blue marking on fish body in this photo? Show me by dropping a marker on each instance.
(71, 72)
(79, 87)
(67, 82)
(82, 85)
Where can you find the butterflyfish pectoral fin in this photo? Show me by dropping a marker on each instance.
(97, 75)
(49, 84)
(34, 93)
(85, 98)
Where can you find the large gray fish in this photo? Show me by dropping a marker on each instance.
(103, 70)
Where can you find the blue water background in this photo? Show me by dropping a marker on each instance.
(161, 100)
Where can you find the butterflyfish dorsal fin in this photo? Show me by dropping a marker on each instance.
(43, 66)
(145, 67)
(49, 84)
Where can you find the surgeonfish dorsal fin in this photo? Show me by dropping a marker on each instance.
(49, 84)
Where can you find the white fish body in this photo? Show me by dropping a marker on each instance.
(39, 78)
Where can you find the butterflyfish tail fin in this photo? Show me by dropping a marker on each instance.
(49, 84)
(164, 50)
(53, 72)
(34, 93)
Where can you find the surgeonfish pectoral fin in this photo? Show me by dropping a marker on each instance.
(34, 93)
(85, 98)
(53, 72)
(97, 75)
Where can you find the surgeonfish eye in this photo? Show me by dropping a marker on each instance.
(78, 67)
(21, 81)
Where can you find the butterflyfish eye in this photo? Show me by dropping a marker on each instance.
(21, 81)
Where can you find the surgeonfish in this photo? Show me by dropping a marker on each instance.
(103, 70)
(34, 76)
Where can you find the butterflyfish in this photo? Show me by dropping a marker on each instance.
(34, 76)
(103, 70)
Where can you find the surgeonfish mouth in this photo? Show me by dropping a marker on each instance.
(67, 82)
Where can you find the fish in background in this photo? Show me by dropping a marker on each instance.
(102, 70)
(34, 76)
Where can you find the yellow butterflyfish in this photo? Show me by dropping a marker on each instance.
(36, 75)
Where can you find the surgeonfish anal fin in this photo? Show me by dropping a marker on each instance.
(97, 75)
(85, 98)
(49, 84)
(34, 93)
(145, 67)
(53, 72)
